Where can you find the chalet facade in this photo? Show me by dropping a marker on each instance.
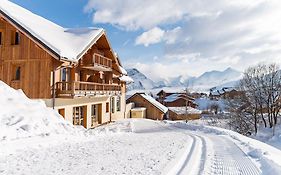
(75, 71)
(153, 109)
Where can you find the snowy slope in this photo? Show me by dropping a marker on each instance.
(21, 117)
(215, 78)
(141, 82)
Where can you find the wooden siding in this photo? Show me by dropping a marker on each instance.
(179, 103)
(175, 116)
(35, 63)
(152, 112)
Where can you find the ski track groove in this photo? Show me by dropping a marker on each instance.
(227, 159)
(188, 158)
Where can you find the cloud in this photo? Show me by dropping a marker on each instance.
(152, 36)
(209, 35)
(157, 35)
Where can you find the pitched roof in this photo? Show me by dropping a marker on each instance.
(174, 97)
(161, 107)
(151, 100)
(65, 43)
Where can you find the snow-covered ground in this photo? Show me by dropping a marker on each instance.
(37, 140)
(142, 146)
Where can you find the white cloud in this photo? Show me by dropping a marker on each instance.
(210, 35)
(152, 36)
(157, 35)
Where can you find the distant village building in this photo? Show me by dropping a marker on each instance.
(154, 109)
(184, 113)
(225, 93)
(74, 70)
(175, 99)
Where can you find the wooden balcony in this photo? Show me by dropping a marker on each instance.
(79, 89)
(98, 62)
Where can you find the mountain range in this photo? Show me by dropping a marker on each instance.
(204, 82)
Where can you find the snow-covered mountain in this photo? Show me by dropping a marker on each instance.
(141, 82)
(215, 78)
(202, 83)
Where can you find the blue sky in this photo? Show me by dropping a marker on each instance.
(169, 38)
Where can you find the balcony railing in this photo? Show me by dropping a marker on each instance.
(78, 89)
(97, 62)
(102, 61)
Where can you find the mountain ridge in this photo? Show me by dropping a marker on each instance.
(203, 82)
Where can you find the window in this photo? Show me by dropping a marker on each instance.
(118, 103)
(17, 38)
(78, 116)
(112, 105)
(17, 75)
(94, 110)
(1, 38)
(63, 74)
(94, 117)
(107, 107)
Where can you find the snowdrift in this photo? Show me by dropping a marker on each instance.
(21, 117)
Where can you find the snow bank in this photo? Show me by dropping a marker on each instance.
(269, 156)
(266, 135)
(21, 117)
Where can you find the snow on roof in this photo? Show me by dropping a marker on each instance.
(66, 42)
(123, 71)
(172, 91)
(172, 97)
(126, 78)
(183, 110)
(215, 91)
(177, 96)
(161, 107)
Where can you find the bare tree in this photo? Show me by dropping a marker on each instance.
(261, 86)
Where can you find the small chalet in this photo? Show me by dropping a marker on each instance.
(154, 110)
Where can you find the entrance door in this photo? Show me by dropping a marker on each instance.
(96, 116)
(80, 116)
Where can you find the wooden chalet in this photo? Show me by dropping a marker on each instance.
(154, 109)
(75, 71)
